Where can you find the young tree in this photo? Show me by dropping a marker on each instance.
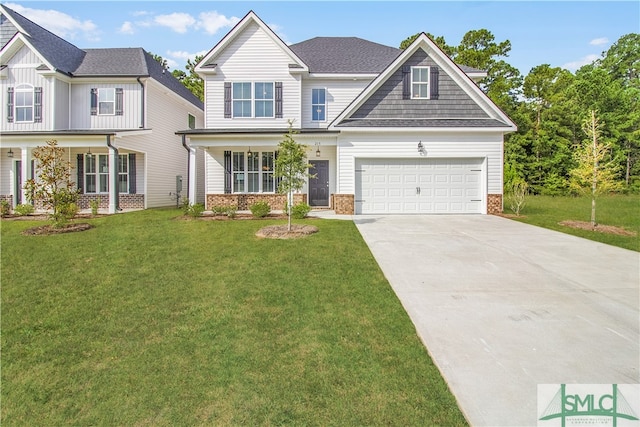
(291, 167)
(593, 170)
(52, 185)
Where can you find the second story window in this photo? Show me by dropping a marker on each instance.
(253, 100)
(420, 82)
(318, 105)
(107, 101)
(24, 104)
(192, 121)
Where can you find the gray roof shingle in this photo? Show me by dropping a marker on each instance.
(344, 55)
(425, 123)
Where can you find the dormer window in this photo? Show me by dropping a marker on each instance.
(420, 82)
(24, 104)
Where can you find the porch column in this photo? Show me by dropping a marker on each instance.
(191, 183)
(27, 172)
(113, 177)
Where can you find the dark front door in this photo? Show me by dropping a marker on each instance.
(319, 186)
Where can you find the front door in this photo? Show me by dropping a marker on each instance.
(319, 186)
(18, 182)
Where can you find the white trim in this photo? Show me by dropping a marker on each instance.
(427, 83)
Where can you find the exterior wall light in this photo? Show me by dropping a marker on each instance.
(420, 147)
(10, 153)
(318, 149)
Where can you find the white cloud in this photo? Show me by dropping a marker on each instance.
(171, 64)
(184, 55)
(178, 21)
(212, 21)
(278, 30)
(59, 23)
(126, 28)
(599, 41)
(140, 13)
(574, 65)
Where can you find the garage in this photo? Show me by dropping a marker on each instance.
(419, 186)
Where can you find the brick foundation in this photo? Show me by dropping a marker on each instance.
(494, 204)
(127, 201)
(244, 201)
(7, 197)
(343, 204)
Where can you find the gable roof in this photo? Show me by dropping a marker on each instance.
(109, 62)
(344, 55)
(498, 118)
(207, 64)
(61, 54)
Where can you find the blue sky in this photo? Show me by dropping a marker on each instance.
(565, 34)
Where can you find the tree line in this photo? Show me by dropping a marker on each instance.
(550, 106)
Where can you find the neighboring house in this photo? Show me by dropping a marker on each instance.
(388, 131)
(114, 111)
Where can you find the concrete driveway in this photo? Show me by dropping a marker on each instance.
(503, 306)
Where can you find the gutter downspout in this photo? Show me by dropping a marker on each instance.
(142, 106)
(113, 173)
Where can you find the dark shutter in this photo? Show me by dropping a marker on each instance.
(227, 100)
(406, 82)
(278, 100)
(10, 105)
(227, 171)
(37, 105)
(80, 170)
(433, 82)
(132, 173)
(94, 102)
(119, 101)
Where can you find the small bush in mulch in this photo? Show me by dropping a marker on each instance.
(282, 231)
(45, 230)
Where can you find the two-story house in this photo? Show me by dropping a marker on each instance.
(114, 111)
(387, 130)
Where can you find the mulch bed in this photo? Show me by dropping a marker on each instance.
(45, 230)
(282, 232)
(608, 229)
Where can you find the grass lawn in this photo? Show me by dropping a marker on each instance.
(620, 210)
(146, 320)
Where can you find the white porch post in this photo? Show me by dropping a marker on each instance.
(192, 184)
(113, 177)
(26, 170)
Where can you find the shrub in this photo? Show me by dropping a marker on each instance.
(185, 206)
(231, 211)
(5, 208)
(24, 209)
(516, 195)
(260, 209)
(219, 210)
(301, 210)
(94, 204)
(195, 210)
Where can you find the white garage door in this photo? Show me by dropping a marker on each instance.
(436, 186)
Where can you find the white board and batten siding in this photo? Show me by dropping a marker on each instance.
(81, 117)
(484, 150)
(252, 57)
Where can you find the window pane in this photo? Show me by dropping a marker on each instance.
(24, 114)
(238, 161)
(267, 161)
(192, 122)
(123, 163)
(318, 112)
(24, 99)
(123, 183)
(106, 108)
(104, 183)
(253, 183)
(264, 91)
(238, 182)
(242, 91)
(241, 108)
(267, 182)
(318, 96)
(103, 163)
(253, 162)
(264, 108)
(106, 95)
(90, 184)
(89, 164)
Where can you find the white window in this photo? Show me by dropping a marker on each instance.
(96, 173)
(192, 121)
(253, 172)
(253, 99)
(107, 102)
(318, 105)
(420, 82)
(24, 104)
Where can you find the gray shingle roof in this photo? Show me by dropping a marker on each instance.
(344, 55)
(426, 123)
(110, 62)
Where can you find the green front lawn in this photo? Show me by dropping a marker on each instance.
(146, 320)
(620, 210)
